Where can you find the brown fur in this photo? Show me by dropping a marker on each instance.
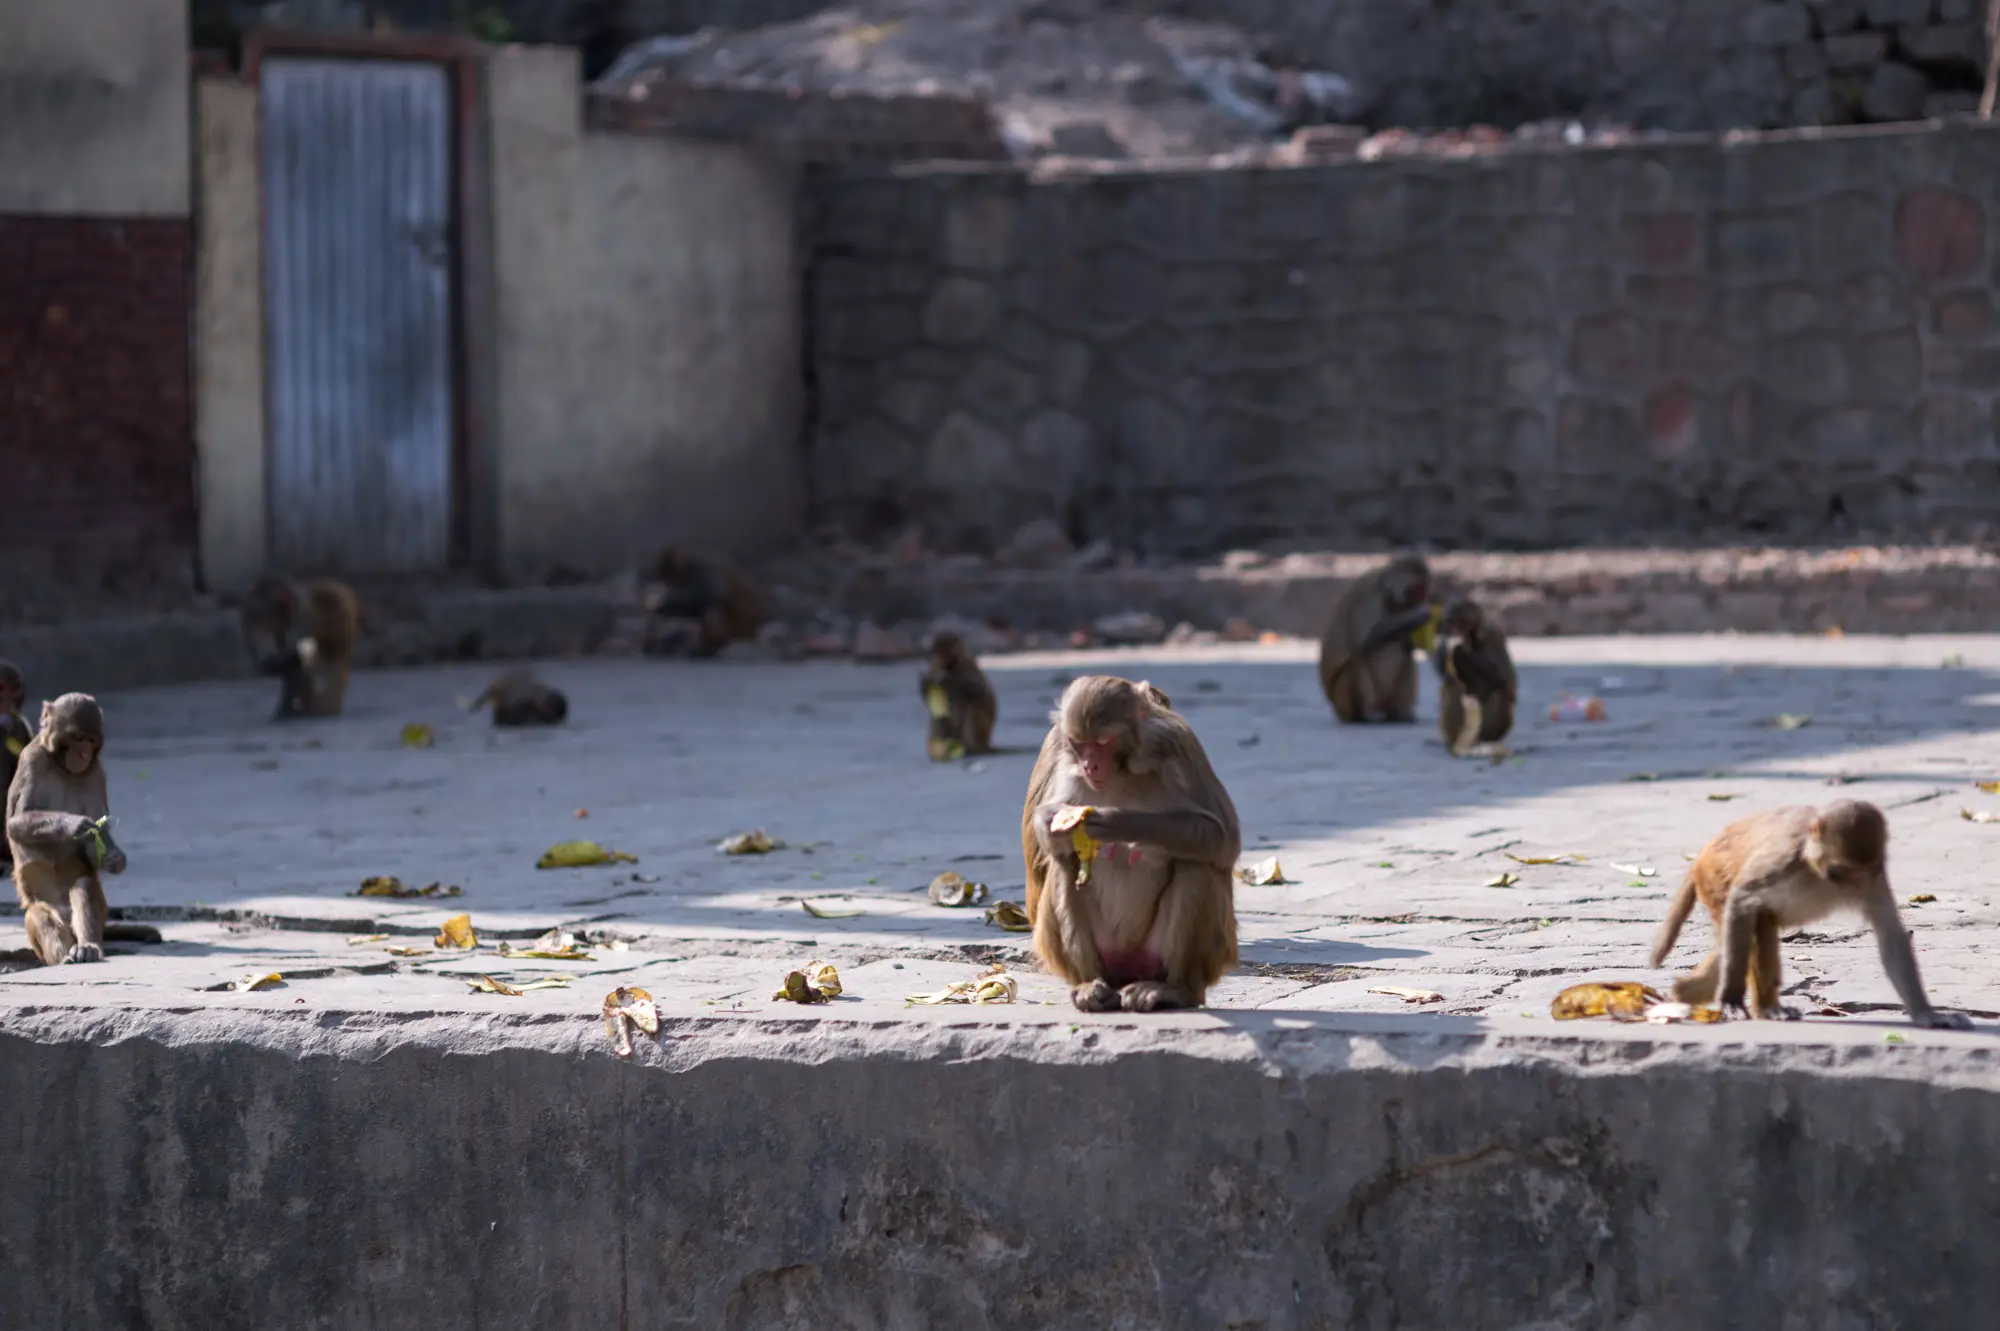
(1143, 934)
(15, 733)
(1473, 660)
(720, 602)
(519, 699)
(1365, 666)
(971, 707)
(306, 637)
(1781, 870)
(50, 812)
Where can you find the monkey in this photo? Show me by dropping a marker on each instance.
(1478, 687)
(700, 605)
(1148, 922)
(14, 731)
(59, 832)
(960, 699)
(519, 699)
(312, 665)
(1780, 870)
(1365, 667)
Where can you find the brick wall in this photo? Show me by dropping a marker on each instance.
(1776, 338)
(96, 449)
(809, 126)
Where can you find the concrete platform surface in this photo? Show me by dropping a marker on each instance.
(375, 1143)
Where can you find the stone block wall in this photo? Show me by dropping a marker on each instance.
(1665, 64)
(1788, 337)
(808, 126)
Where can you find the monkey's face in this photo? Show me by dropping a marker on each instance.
(1098, 757)
(77, 751)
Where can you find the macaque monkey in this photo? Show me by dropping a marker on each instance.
(59, 831)
(1781, 870)
(1478, 687)
(14, 731)
(1365, 666)
(961, 701)
(1131, 843)
(699, 606)
(519, 699)
(311, 659)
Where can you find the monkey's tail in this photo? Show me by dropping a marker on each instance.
(1670, 928)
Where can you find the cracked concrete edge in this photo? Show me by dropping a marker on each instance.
(367, 1169)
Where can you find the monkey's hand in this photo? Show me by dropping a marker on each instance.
(1181, 834)
(1945, 1021)
(99, 851)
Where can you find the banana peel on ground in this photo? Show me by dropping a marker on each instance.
(955, 889)
(1008, 915)
(581, 855)
(1620, 1000)
(456, 933)
(624, 1008)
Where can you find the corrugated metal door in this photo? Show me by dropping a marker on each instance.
(357, 253)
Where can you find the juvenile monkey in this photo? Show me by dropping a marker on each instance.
(700, 605)
(519, 699)
(1780, 870)
(59, 831)
(1365, 667)
(311, 658)
(961, 702)
(1478, 687)
(1143, 916)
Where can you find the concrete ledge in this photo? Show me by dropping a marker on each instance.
(342, 1169)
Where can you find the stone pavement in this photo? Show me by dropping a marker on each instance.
(247, 839)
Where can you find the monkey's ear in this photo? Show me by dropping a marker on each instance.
(48, 710)
(1154, 694)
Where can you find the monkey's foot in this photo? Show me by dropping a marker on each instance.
(1097, 996)
(1947, 1021)
(83, 952)
(1153, 996)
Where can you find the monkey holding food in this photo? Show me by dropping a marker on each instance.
(1365, 666)
(961, 701)
(700, 606)
(59, 832)
(311, 654)
(1477, 686)
(519, 699)
(1781, 870)
(1130, 842)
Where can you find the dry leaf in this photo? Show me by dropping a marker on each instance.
(1791, 720)
(1009, 916)
(252, 982)
(580, 855)
(1981, 817)
(797, 989)
(417, 735)
(581, 813)
(358, 939)
(824, 913)
(1643, 776)
(1408, 995)
(1923, 898)
(387, 885)
(757, 842)
(1990, 787)
(1504, 880)
(1716, 797)
(486, 984)
(545, 953)
(1545, 859)
(1264, 873)
(1621, 1000)
(408, 951)
(1636, 870)
(457, 933)
(995, 986)
(629, 1005)
(822, 976)
(1893, 1038)
(954, 889)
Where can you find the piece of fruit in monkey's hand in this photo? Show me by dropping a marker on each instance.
(1425, 639)
(1620, 1000)
(938, 701)
(1070, 820)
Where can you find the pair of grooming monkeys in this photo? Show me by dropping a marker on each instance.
(1130, 840)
